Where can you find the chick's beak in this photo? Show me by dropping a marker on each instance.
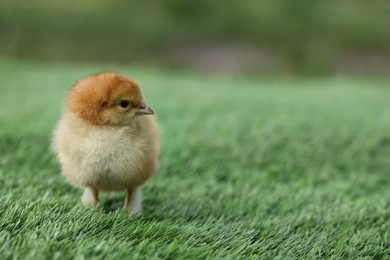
(144, 109)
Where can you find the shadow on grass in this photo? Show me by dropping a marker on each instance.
(112, 203)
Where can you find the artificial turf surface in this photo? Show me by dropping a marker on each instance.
(251, 168)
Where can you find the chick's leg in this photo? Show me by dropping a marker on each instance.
(129, 197)
(133, 201)
(90, 196)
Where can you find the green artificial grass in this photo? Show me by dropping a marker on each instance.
(250, 168)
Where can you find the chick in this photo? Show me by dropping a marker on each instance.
(107, 138)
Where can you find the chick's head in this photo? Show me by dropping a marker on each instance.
(107, 99)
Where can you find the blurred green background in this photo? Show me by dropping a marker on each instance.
(269, 36)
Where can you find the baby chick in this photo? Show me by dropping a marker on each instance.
(107, 138)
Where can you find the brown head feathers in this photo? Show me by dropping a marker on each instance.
(105, 98)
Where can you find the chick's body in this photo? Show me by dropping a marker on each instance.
(108, 158)
(109, 142)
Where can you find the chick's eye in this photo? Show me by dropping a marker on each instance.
(124, 103)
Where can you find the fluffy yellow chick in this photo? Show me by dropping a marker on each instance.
(107, 138)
